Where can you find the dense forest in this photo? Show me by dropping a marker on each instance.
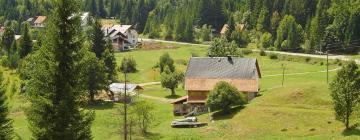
(288, 25)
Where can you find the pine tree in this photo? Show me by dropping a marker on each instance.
(102, 11)
(92, 8)
(6, 128)
(25, 42)
(110, 62)
(98, 39)
(93, 72)
(55, 87)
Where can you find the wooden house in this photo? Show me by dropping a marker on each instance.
(203, 73)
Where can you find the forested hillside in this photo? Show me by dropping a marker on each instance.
(288, 25)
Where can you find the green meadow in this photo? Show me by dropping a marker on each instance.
(299, 109)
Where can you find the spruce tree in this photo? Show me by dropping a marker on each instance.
(110, 62)
(6, 128)
(25, 42)
(102, 11)
(93, 72)
(55, 87)
(98, 39)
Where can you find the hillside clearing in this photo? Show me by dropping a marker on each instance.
(301, 109)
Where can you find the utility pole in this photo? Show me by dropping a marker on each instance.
(327, 65)
(125, 108)
(283, 78)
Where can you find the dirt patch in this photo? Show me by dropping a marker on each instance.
(155, 46)
(297, 94)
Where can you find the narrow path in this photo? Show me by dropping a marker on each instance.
(149, 84)
(164, 100)
(174, 42)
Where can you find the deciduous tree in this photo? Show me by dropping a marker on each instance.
(224, 96)
(166, 61)
(171, 80)
(345, 92)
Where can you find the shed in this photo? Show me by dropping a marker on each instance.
(117, 91)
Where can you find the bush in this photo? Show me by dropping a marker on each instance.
(144, 115)
(181, 62)
(271, 48)
(266, 40)
(262, 52)
(128, 65)
(273, 56)
(224, 96)
(307, 59)
(247, 51)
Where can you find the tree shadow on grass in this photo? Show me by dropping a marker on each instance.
(153, 136)
(353, 131)
(100, 105)
(220, 115)
(172, 96)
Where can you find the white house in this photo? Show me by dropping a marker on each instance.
(126, 34)
(85, 18)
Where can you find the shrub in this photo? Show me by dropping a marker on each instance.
(224, 96)
(144, 115)
(271, 48)
(273, 56)
(262, 52)
(266, 40)
(247, 51)
(128, 65)
(307, 59)
(166, 61)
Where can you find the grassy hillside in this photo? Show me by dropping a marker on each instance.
(301, 109)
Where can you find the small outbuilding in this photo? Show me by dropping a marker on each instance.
(117, 91)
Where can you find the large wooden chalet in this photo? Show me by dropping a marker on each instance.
(203, 73)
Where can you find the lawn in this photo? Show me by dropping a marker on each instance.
(301, 109)
(147, 59)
